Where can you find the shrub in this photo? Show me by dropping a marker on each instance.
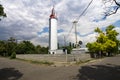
(13, 55)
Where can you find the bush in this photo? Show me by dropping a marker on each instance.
(13, 55)
(69, 49)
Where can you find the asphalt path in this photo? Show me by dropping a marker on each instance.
(101, 69)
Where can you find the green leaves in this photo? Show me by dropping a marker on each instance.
(13, 55)
(2, 13)
(102, 38)
(25, 47)
(105, 41)
(111, 33)
(98, 30)
(2, 47)
(94, 47)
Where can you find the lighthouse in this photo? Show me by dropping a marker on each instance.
(53, 32)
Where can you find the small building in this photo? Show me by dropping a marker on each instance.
(79, 50)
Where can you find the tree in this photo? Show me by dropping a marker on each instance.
(44, 50)
(8, 47)
(119, 47)
(94, 47)
(112, 35)
(41, 50)
(2, 13)
(111, 9)
(38, 49)
(70, 44)
(97, 30)
(11, 45)
(105, 41)
(25, 47)
(13, 55)
(2, 47)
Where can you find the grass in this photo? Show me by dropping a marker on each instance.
(41, 62)
(80, 62)
(37, 62)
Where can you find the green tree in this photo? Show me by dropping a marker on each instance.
(2, 48)
(94, 47)
(119, 46)
(41, 50)
(13, 55)
(25, 47)
(11, 45)
(2, 13)
(44, 50)
(69, 49)
(38, 49)
(98, 30)
(112, 34)
(105, 41)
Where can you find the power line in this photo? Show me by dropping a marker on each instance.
(69, 32)
(76, 21)
(84, 11)
(79, 18)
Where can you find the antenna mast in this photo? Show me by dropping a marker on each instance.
(74, 23)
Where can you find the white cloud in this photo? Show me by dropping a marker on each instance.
(25, 18)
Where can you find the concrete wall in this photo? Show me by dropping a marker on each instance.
(55, 57)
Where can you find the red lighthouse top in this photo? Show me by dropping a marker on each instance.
(53, 13)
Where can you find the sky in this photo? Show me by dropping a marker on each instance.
(29, 20)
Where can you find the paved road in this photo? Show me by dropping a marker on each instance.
(105, 69)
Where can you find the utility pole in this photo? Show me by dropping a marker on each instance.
(75, 24)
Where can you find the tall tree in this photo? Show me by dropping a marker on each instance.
(105, 41)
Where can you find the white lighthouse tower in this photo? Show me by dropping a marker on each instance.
(53, 33)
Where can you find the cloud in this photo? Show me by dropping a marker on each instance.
(29, 20)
